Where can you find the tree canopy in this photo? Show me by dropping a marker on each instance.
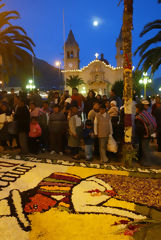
(74, 81)
(15, 45)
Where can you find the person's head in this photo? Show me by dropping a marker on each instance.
(102, 108)
(32, 106)
(12, 91)
(157, 99)
(146, 104)
(34, 120)
(91, 94)
(56, 95)
(4, 106)
(96, 107)
(139, 107)
(112, 93)
(66, 93)
(104, 97)
(21, 102)
(107, 104)
(56, 108)
(75, 91)
(113, 103)
(98, 97)
(88, 124)
(74, 109)
(45, 105)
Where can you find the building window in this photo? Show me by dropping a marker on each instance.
(68, 54)
(72, 54)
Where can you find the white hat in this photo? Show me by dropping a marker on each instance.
(145, 102)
(113, 102)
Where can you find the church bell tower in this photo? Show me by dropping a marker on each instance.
(71, 53)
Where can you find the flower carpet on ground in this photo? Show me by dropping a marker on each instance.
(44, 200)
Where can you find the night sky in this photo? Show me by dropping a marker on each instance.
(43, 21)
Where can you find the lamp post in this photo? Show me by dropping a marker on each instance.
(30, 85)
(58, 64)
(145, 80)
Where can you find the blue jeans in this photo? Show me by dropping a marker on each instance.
(89, 151)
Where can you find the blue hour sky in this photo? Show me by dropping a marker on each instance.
(43, 21)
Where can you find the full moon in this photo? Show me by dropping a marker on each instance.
(95, 23)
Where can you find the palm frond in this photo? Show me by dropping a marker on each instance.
(151, 26)
(143, 47)
(150, 59)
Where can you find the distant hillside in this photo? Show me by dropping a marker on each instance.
(46, 76)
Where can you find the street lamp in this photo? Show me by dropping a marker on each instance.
(145, 80)
(30, 85)
(160, 89)
(58, 64)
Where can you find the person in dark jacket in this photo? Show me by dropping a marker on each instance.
(158, 120)
(57, 130)
(88, 136)
(143, 125)
(22, 117)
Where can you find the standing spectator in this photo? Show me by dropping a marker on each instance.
(88, 136)
(55, 99)
(103, 128)
(76, 97)
(146, 105)
(89, 101)
(93, 113)
(22, 116)
(75, 130)
(156, 104)
(98, 98)
(34, 136)
(36, 98)
(114, 115)
(91, 116)
(104, 98)
(11, 99)
(158, 120)
(113, 97)
(5, 118)
(145, 124)
(57, 130)
(107, 104)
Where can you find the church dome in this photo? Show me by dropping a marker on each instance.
(103, 59)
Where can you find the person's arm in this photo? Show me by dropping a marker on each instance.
(72, 126)
(95, 126)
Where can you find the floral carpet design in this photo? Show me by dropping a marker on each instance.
(59, 200)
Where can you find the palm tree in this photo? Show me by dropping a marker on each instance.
(15, 45)
(150, 58)
(74, 81)
(127, 78)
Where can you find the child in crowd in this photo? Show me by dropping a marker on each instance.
(34, 136)
(88, 136)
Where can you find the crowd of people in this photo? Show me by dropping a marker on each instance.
(64, 123)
